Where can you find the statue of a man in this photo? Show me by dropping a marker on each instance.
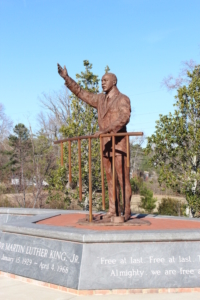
(113, 114)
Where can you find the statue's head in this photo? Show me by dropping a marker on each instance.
(108, 81)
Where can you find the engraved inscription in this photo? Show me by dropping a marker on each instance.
(141, 265)
(151, 260)
(43, 259)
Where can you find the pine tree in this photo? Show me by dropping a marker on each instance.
(19, 155)
(107, 69)
(19, 158)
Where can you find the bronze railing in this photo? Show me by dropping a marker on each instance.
(89, 137)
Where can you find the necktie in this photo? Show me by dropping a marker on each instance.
(107, 98)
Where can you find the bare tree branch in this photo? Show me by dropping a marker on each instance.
(56, 114)
(171, 82)
(5, 125)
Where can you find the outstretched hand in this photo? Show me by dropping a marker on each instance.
(62, 72)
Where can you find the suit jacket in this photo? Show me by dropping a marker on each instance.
(113, 114)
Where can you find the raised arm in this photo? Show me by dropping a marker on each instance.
(89, 98)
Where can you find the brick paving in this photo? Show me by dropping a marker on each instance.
(157, 223)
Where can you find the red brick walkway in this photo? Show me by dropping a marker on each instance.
(70, 220)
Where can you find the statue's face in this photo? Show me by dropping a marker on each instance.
(107, 82)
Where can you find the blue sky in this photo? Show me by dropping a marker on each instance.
(142, 41)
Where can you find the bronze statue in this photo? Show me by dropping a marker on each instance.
(113, 114)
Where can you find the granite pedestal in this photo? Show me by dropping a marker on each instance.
(87, 259)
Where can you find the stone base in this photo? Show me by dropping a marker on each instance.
(101, 292)
(90, 260)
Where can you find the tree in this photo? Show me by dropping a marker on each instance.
(175, 145)
(171, 82)
(43, 162)
(107, 69)
(139, 160)
(83, 120)
(31, 159)
(57, 106)
(136, 154)
(19, 157)
(5, 125)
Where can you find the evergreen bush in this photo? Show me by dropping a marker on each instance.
(148, 202)
(171, 207)
(136, 184)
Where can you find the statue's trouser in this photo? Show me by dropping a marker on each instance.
(124, 180)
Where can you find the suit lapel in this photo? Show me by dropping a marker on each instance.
(105, 108)
(111, 103)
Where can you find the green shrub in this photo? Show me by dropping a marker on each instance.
(148, 203)
(136, 184)
(58, 200)
(171, 207)
(194, 203)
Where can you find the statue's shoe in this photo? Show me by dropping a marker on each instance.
(108, 215)
(105, 216)
(127, 217)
